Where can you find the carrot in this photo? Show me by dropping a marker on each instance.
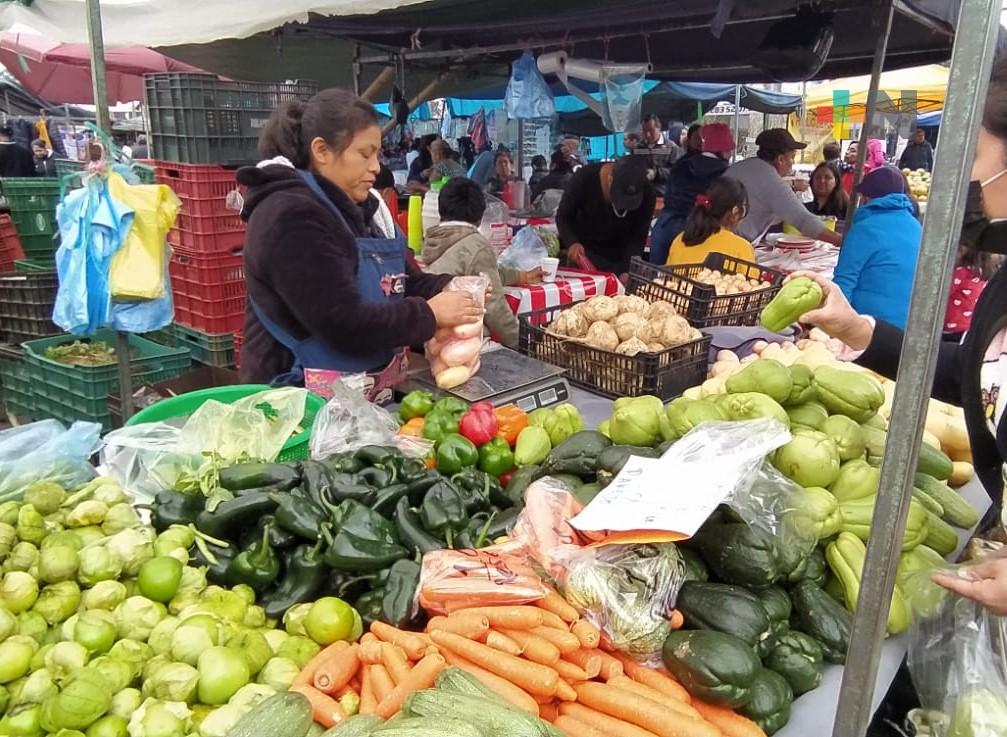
(648, 693)
(549, 711)
(655, 679)
(534, 678)
(554, 620)
(370, 651)
(503, 643)
(587, 660)
(610, 667)
(420, 677)
(626, 705)
(587, 633)
(533, 647)
(413, 644)
(381, 682)
(307, 674)
(727, 721)
(609, 725)
(367, 701)
(565, 692)
(553, 602)
(513, 617)
(324, 709)
(677, 619)
(337, 671)
(570, 672)
(571, 727)
(357, 681)
(472, 626)
(565, 641)
(394, 661)
(500, 686)
(606, 644)
(368, 637)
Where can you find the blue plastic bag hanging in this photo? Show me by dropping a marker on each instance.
(528, 95)
(622, 97)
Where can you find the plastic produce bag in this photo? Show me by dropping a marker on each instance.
(46, 451)
(526, 251)
(138, 267)
(145, 458)
(622, 97)
(348, 422)
(528, 95)
(958, 662)
(453, 353)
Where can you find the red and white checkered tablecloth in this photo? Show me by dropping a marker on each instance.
(570, 287)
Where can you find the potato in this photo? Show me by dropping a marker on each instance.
(602, 335)
(631, 347)
(630, 303)
(628, 324)
(600, 309)
(656, 310)
(726, 355)
(723, 368)
(570, 323)
(452, 377)
(655, 347)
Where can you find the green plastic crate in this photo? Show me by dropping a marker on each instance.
(16, 381)
(32, 202)
(71, 393)
(27, 265)
(295, 449)
(207, 348)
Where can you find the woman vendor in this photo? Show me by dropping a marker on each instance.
(604, 217)
(329, 288)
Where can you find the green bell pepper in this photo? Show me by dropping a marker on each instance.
(455, 453)
(416, 404)
(533, 446)
(439, 424)
(496, 458)
(443, 511)
(398, 601)
(257, 566)
(451, 405)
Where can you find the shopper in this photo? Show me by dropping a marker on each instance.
(504, 173)
(539, 171)
(605, 215)
(328, 285)
(659, 151)
(831, 153)
(444, 164)
(418, 178)
(710, 226)
(45, 161)
(694, 140)
(560, 171)
(919, 154)
(828, 197)
(15, 159)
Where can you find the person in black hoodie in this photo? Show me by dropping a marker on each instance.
(329, 289)
(690, 176)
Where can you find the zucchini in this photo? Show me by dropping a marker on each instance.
(724, 608)
(695, 568)
(458, 681)
(713, 666)
(487, 717)
(931, 504)
(776, 602)
(940, 535)
(769, 701)
(360, 725)
(428, 727)
(285, 714)
(825, 619)
(957, 510)
(740, 554)
(931, 461)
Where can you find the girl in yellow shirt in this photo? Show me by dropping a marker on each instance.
(709, 228)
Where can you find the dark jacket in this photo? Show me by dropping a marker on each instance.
(660, 157)
(16, 160)
(46, 167)
(300, 269)
(957, 382)
(917, 156)
(690, 176)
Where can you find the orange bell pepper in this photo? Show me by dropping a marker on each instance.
(511, 420)
(413, 428)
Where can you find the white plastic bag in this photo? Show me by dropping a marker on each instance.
(144, 459)
(47, 451)
(528, 95)
(622, 97)
(453, 353)
(526, 251)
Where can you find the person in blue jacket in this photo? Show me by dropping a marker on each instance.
(878, 258)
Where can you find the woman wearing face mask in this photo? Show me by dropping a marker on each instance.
(329, 289)
(972, 374)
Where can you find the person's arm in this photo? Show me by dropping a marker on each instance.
(499, 319)
(930, 157)
(423, 285)
(853, 258)
(637, 237)
(788, 207)
(902, 158)
(567, 212)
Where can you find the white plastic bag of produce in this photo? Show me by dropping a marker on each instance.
(453, 353)
(145, 459)
(46, 451)
(525, 252)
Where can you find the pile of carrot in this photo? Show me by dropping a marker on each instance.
(542, 658)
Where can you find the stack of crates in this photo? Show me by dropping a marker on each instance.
(32, 202)
(10, 244)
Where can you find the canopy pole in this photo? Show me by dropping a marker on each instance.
(356, 69)
(972, 59)
(882, 23)
(737, 121)
(520, 149)
(422, 96)
(383, 78)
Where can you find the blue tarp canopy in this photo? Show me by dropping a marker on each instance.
(929, 120)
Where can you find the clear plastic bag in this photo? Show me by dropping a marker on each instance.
(348, 422)
(453, 353)
(526, 251)
(145, 459)
(958, 662)
(622, 97)
(47, 451)
(528, 95)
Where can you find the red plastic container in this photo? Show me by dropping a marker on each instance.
(204, 224)
(239, 338)
(10, 245)
(200, 181)
(209, 290)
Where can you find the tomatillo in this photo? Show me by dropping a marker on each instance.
(159, 578)
(329, 619)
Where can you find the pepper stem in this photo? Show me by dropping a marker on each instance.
(262, 552)
(200, 535)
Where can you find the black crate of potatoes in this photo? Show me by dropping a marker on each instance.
(700, 302)
(26, 304)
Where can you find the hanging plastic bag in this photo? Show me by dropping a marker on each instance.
(453, 353)
(526, 251)
(622, 97)
(46, 451)
(348, 422)
(528, 95)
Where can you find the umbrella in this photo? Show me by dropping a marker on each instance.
(62, 71)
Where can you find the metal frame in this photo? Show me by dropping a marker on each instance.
(972, 59)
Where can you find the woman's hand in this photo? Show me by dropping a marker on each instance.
(835, 315)
(529, 277)
(454, 308)
(985, 582)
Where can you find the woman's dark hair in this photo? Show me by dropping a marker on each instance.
(461, 199)
(838, 202)
(559, 163)
(334, 115)
(723, 195)
(538, 162)
(505, 154)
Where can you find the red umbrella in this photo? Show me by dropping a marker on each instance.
(61, 72)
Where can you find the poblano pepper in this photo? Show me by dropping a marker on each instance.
(256, 566)
(369, 606)
(419, 487)
(217, 560)
(416, 403)
(398, 600)
(381, 456)
(350, 486)
(365, 540)
(343, 463)
(175, 508)
(386, 499)
(443, 511)
(304, 576)
(496, 457)
(298, 515)
(454, 453)
(411, 532)
(317, 484)
(278, 537)
(250, 475)
(520, 480)
(231, 516)
(377, 477)
(411, 470)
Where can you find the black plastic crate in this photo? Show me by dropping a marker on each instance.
(698, 302)
(26, 304)
(16, 381)
(665, 374)
(201, 119)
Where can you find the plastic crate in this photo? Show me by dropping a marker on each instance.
(666, 374)
(71, 393)
(29, 266)
(16, 381)
(165, 336)
(32, 202)
(69, 166)
(201, 119)
(211, 234)
(147, 395)
(26, 304)
(196, 181)
(239, 338)
(294, 449)
(209, 290)
(10, 244)
(207, 349)
(698, 302)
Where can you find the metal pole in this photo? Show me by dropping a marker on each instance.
(882, 22)
(737, 121)
(972, 59)
(104, 122)
(356, 69)
(520, 149)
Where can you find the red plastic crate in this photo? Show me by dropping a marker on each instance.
(239, 338)
(210, 243)
(200, 181)
(10, 245)
(209, 290)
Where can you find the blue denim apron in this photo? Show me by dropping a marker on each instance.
(381, 273)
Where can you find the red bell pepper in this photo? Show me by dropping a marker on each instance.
(479, 424)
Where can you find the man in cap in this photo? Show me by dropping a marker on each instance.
(605, 214)
(771, 200)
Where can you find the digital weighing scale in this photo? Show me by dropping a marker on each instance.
(505, 377)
